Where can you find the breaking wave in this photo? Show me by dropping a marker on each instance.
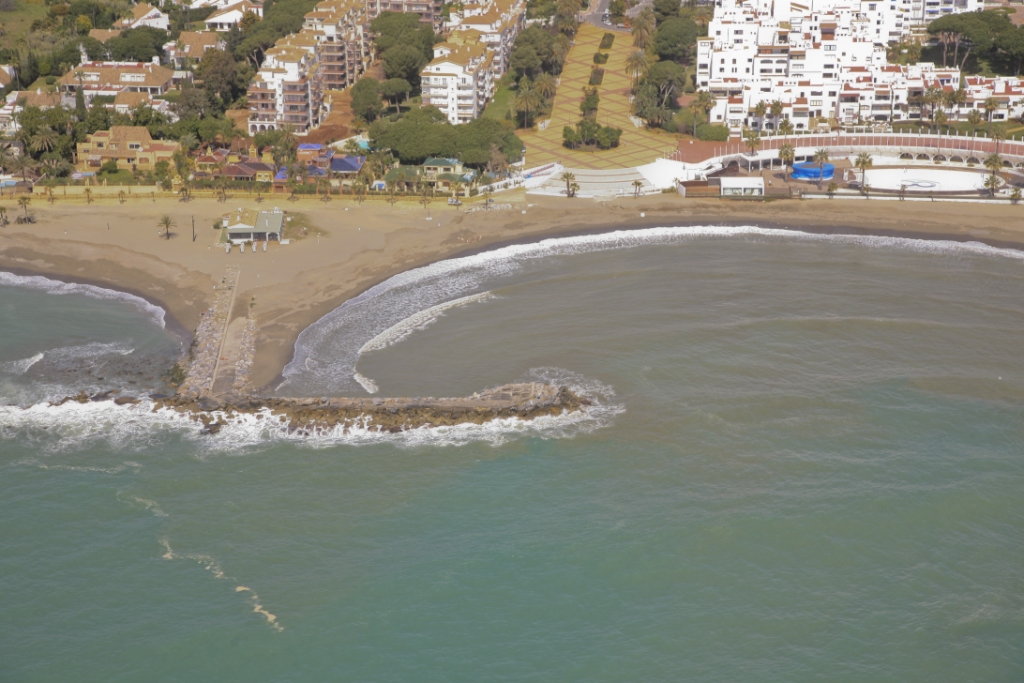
(45, 284)
(20, 367)
(139, 427)
(327, 352)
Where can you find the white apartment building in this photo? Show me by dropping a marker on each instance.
(498, 22)
(330, 52)
(823, 60)
(144, 14)
(461, 78)
(458, 81)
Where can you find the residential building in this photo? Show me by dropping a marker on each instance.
(436, 173)
(144, 14)
(825, 63)
(112, 78)
(190, 47)
(17, 101)
(343, 42)
(131, 147)
(429, 10)
(493, 24)
(226, 18)
(330, 53)
(104, 34)
(459, 80)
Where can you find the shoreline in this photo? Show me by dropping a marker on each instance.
(171, 323)
(357, 247)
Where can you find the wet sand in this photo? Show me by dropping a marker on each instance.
(360, 245)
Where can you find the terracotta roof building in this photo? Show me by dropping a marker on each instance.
(132, 147)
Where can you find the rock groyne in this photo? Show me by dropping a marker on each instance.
(309, 415)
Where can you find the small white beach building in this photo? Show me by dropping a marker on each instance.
(742, 187)
(249, 225)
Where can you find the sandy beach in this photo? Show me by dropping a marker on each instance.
(350, 247)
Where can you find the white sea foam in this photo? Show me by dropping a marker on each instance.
(213, 566)
(137, 427)
(326, 353)
(136, 501)
(117, 469)
(49, 286)
(20, 367)
(418, 321)
(366, 383)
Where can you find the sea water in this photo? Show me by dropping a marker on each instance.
(804, 462)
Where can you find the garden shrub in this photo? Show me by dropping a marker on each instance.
(601, 58)
(712, 132)
(596, 76)
(607, 40)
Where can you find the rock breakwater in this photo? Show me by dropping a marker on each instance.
(524, 401)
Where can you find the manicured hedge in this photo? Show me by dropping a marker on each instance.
(607, 40)
(601, 58)
(713, 132)
(596, 76)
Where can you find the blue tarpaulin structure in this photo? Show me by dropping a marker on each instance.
(810, 171)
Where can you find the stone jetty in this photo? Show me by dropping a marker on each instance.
(311, 415)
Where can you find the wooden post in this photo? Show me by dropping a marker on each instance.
(193, 228)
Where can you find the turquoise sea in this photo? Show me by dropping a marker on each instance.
(804, 463)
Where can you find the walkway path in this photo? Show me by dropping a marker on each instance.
(637, 146)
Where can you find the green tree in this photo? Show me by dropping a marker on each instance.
(568, 178)
(395, 90)
(527, 101)
(23, 202)
(404, 61)
(366, 99)
(637, 64)
(675, 38)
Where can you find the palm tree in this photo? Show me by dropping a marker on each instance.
(706, 101)
(832, 187)
(527, 100)
(637, 185)
(360, 189)
(991, 104)
(166, 222)
(786, 127)
(426, 195)
(954, 99)
(545, 85)
(752, 140)
(23, 201)
(992, 184)
(821, 158)
(88, 195)
(776, 109)
(644, 26)
(695, 108)
(760, 111)
(863, 162)
(23, 164)
(637, 65)
(188, 142)
(787, 154)
(1014, 196)
(974, 118)
(573, 189)
(3, 213)
(993, 162)
(392, 199)
(44, 140)
(568, 178)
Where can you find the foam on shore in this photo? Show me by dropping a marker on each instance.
(45, 284)
(327, 352)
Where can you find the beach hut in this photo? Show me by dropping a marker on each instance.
(735, 186)
(249, 225)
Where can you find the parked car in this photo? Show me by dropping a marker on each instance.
(452, 201)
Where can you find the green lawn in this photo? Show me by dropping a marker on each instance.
(500, 103)
(17, 23)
